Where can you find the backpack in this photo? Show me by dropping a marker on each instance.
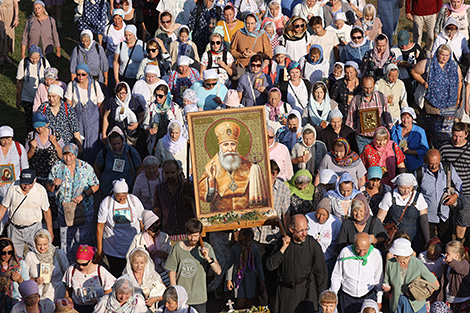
(29, 23)
(99, 274)
(420, 173)
(209, 59)
(20, 152)
(66, 109)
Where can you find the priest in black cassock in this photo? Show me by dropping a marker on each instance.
(302, 273)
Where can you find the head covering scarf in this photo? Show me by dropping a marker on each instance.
(342, 66)
(89, 34)
(150, 278)
(46, 257)
(275, 110)
(353, 65)
(346, 177)
(130, 8)
(364, 39)
(386, 152)
(116, 129)
(390, 67)
(31, 50)
(309, 59)
(274, 35)
(290, 136)
(319, 112)
(307, 193)
(172, 27)
(293, 65)
(174, 146)
(369, 303)
(5, 273)
(279, 13)
(405, 179)
(113, 305)
(123, 111)
(190, 95)
(182, 299)
(51, 72)
(349, 158)
(256, 32)
(462, 8)
(222, 44)
(70, 148)
(306, 11)
(289, 33)
(380, 60)
(362, 198)
(368, 25)
(333, 114)
(443, 83)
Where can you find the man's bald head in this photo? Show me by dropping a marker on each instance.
(362, 243)
(433, 159)
(298, 227)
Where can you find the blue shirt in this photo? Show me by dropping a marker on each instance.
(432, 189)
(355, 54)
(206, 97)
(417, 140)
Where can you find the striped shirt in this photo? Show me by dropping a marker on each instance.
(460, 159)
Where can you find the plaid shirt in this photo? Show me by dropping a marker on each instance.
(267, 234)
(360, 103)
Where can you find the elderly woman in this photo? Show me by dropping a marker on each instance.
(395, 91)
(413, 220)
(144, 186)
(75, 183)
(301, 191)
(345, 89)
(13, 272)
(127, 57)
(411, 139)
(336, 129)
(249, 41)
(210, 91)
(144, 277)
(319, 106)
(156, 242)
(384, 152)
(91, 53)
(325, 227)
(30, 299)
(126, 111)
(87, 281)
(296, 38)
(218, 58)
(341, 197)
(175, 298)
(174, 146)
(203, 20)
(119, 220)
(62, 119)
(309, 152)
(452, 37)
(183, 46)
(123, 299)
(51, 77)
(296, 90)
(279, 153)
(374, 190)
(253, 86)
(44, 148)
(361, 221)
(182, 77)
(357, 47)
(441, 84)
(50, 286)
(28, 76)
(456, 9)
(400, 271)
(274, 38)
(117, 160)
(85, 96)
(40, 28)
(328, 302)
(369, 22)
(342, 159)
(144, 88)
(376, 60)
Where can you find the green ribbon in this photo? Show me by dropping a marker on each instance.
(357, 257)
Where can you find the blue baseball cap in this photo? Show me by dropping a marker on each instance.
(39, 120)
(374, 172)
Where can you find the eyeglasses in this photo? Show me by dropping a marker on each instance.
(211, 84)
(7, 252)
(216, 42)
(302, 230)
(166, 22)
(83, 264)
(271, 137)
(255, 65)
(83, 74)
(152, 50)
(356, 37)
(122, 93)
(159, 96)
(299, 26)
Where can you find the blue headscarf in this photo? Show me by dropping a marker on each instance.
(309, 59)
(255, 33)
(31, 50)
(443, 83)
(346, 177)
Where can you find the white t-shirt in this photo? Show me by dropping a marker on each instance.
(296, 49)
(315, 72)
(298, 96)
(85, 285)
(327, 42)
(181, 9)
(31, 209)
(31, 82)
(96, 94)
(122, 223)
(113, 37)
(386, 202)
(325, 234)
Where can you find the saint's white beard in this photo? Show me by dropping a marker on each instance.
(230, 161)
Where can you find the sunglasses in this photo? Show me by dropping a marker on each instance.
(7, 252)
(211, 84)
(255, 65)
(159, 96)
(356, 37)
(83, 264)
(152, 50)
(299, 26)
(166, 22)
(271, 137)
(82, 74)
(216, 42)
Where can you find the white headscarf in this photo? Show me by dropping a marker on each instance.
(314, 107)
(369, 303)
(279, 14)
(123, 111)
(290, 136)
(174, 146)
(306, 11)
(130, 8)
(405, 179)
(89, 34)
(182, 298)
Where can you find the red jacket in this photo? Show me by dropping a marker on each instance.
(423, 7)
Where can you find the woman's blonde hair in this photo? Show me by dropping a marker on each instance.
(328, 297)
(273, 4)
(369, 10)
(444, 48)
(44, 236)
(382, 134)
(458, 248)
(138, 253)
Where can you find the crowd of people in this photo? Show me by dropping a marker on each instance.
(368, 148)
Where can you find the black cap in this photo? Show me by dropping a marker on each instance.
(27, 176)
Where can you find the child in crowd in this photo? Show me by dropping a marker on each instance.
(433, 258)
(279, 65)
(175, 298)
(328, 302)
(183, 46)
(231, 100)
(337, 74)
(370, 306)
(244, 265)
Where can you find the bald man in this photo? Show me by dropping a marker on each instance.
(302, 273)
(358, 275)
(432, 179)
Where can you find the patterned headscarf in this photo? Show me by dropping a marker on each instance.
(51, 72)
(349, 156)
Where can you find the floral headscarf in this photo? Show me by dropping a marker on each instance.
(349, 156)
